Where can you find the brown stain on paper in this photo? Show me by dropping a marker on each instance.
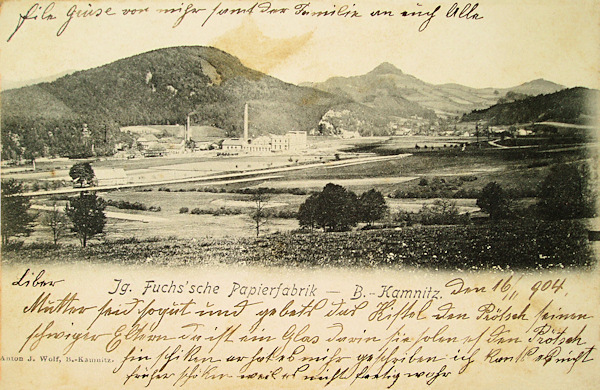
(258, 51)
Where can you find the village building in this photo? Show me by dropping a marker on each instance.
(141, 130)
(259, 144)
(155, 149)
(205, 145)
(233, 144)
(297, 140)
(110, 176)
(279, 143)
(172, 145)
(146, 141)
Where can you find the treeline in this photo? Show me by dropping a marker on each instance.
(568, 106)
(27, 139)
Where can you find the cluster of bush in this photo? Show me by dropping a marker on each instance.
(217, 212)
(45, 185)
(269, 190)
(244, 191)
(451, 188)
(440, 212)
(436, 187)
(125, 205)
(283, 214)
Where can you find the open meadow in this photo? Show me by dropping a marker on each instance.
(529, 245)
(200, 222)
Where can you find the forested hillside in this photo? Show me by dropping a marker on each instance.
(158, 87)
(575, 105)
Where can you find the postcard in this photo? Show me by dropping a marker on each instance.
(299, 194)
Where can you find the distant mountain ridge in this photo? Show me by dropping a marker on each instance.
(443, 99)
(12, 84)
(537, 87)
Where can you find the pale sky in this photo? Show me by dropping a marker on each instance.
(516, 41)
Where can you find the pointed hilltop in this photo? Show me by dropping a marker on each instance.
(386, 68)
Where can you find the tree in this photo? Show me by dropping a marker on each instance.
(82, 174)
(86, 213)
(335, 208)
(338, 208)
(259, 214)
(57, 221)
(372, 206)
(567, 192)
(15, 218)
(307, 214)
(494, 201)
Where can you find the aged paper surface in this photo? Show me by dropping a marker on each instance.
(169, 303)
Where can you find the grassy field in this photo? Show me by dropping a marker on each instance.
(523, 244)
(518, 170)
(185, 238)
(444, 172)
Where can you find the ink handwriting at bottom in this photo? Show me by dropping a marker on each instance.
(30, 279)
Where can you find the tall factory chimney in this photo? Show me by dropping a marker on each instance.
(246, 123)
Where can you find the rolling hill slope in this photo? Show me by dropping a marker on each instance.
(161, 87)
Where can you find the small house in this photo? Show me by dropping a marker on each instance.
(145, 141)
(110, 176)
(233, 144)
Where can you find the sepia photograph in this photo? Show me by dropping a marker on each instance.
(294, 194)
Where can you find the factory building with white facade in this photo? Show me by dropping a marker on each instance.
(292, 141)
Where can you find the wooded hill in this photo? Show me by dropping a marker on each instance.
(574, 105)
(158, 87)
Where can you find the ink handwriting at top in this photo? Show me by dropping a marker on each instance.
(73, 12)
(32, 14)
(467, 12)
(38, 12)
(83, 13)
